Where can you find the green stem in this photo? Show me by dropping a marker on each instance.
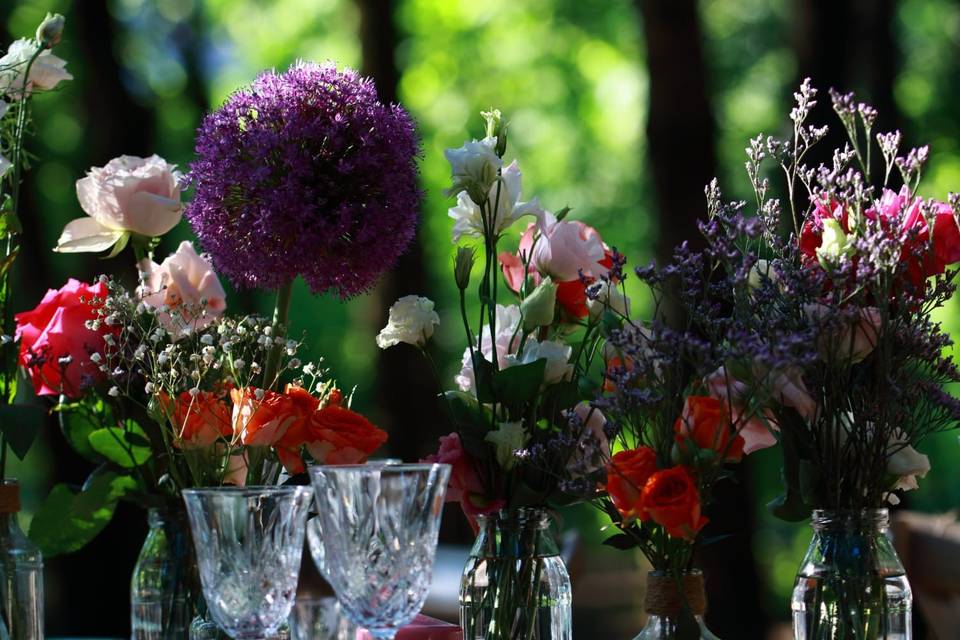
(281, 314)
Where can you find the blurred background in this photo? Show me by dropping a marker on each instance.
(621, 109)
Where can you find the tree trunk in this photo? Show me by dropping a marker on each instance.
(406, 393)
(682, 159)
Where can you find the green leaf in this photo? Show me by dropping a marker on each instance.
(69, 519)
(76, 428)
(483, 373)
(518, 385)
(20, 424)
(123, 447)
(9, 223)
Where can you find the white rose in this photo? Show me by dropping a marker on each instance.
(128, 195)
(474, 166)
(608, 296)
(181, 283)
(505, 342)
(46, 72)
(503, 204)
(412, 320)
(557, 355)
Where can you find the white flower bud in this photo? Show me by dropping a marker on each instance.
(114, 392)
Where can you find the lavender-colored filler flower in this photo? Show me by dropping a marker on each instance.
(306, 173)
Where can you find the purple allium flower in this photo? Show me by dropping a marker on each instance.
(306, 173)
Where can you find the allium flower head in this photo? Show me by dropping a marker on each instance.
(305, 173)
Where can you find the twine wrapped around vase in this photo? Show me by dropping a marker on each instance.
(9, 497)
(665, 599)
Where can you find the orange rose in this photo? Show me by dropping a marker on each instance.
(627, 473)
(262, 421)
(288, 446)
(336, 435)
(671, 499)
(198, 421)
(706, 421)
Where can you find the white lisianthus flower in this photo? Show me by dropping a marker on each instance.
(5, 165)
(608, 296)
(474, 166)
(128, 195)
(46, 72)
(505, 342)
(412, 321)
(556, 354)
(503, 206)
(507, 439)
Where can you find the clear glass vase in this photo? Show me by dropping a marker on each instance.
(851, 584)
(515, 585)
(21, 592)
(669, 609)
(165, 594)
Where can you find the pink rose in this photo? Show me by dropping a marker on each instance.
(184, 282)
(562, 250)
(857, 341)
(128, 195)
(567, 247)
(465, 486)
(55, 343)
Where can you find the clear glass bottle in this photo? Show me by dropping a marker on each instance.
(851, 583)
(21, 592)
(165, 591)
(515, 585)
(665, 606)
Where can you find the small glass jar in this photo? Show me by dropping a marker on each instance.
(666, 605)
(21, 592)
(165, 591)
(851, 583)
(515, 586)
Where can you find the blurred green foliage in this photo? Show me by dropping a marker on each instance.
(569, 74)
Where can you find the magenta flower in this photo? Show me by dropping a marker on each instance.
(306, 173)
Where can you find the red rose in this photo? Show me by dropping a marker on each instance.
(671, 499)
(706, 421)
(627, 474)
(55, 343)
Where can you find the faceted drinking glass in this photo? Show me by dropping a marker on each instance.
(315, 532)
(380, 525)
(249, 542)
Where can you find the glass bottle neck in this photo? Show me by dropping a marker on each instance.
(863, 521)
(515, 533)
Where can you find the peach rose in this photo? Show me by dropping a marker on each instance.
(186, 283)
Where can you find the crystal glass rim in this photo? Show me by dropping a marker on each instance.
(381, 467)
(250, 491)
